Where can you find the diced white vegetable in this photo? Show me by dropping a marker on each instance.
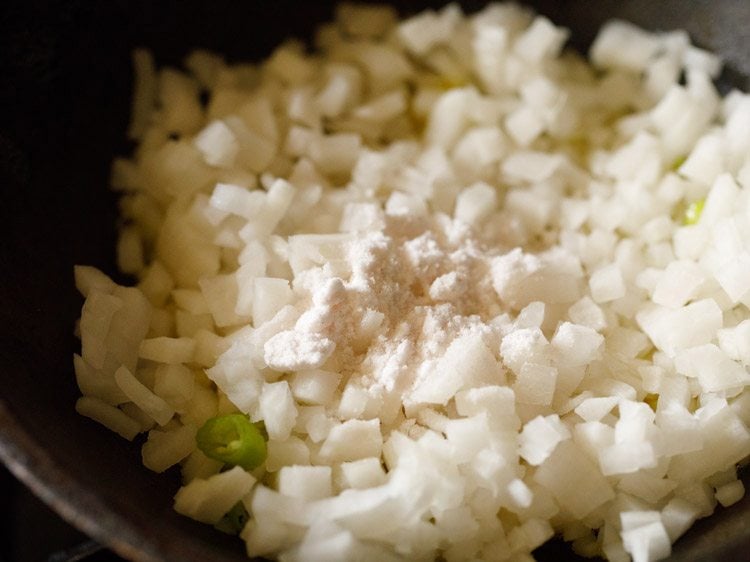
(525, 345)
(167, 350)
(594, 409)
(290, 65)
(475, 203)
(208, 500)
(305, 482)
(540, 437)
(185, 252)
(315, 422)
(496, 401)
(563, 470)
(467, 436)
(278, 410)
(293, 451)
(258, 114)
(96, 317)
(689, 326)
(531, 534)
(711, 366)
(218, 144)
(447, 119)
(188, 325)
(156, 284)
(607, 284)
(314, 386)
(467, 363)
(145, 421)
(531, 166)
(644, 536)
(190, 300)
(335, 154)
(340, 92)
(524, 125)
(353, 403)
(166, 448)
(221, 294)
(490, 50)
(541, 40)
(382, 108)
(726, 440)
(146, 400)
(478, 148)
(175, 384)
(208, 347)
(577, 345)
(237, 200)
(109, 416)
(643, 485)
(424, 31)
(520, 493)
(269, 296)
(97, 384)
(734, 277)
(586, 312)
(622, 44)
(535, 384)
(626, 458)
(89, 278)
(679, 284)
(352, 440)
(363, 473)
(720, 200)
(730, 493)
(678, 516)
(237, 377)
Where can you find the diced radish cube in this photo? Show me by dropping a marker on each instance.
(540, 437)
(352, 440)
(208, 500)
(305, 482)
(278, 410)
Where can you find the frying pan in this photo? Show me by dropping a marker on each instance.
(65, 86)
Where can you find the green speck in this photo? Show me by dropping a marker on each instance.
(234, 440)
(234, 521)
(678, 162)
(693, 212)
(261, 425)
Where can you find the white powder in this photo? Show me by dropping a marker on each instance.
(291, 350)
(416, 285)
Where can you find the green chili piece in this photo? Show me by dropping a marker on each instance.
(232, 439)
(693, 212)
(261, 425)
(678, 162)
(234, 521)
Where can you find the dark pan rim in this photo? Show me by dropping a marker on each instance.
(69, 498)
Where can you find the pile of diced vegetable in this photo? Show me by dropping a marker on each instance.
(584, 375)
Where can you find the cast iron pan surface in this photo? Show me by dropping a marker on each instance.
(65, 87)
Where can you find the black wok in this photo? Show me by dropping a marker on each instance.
(65, 85)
